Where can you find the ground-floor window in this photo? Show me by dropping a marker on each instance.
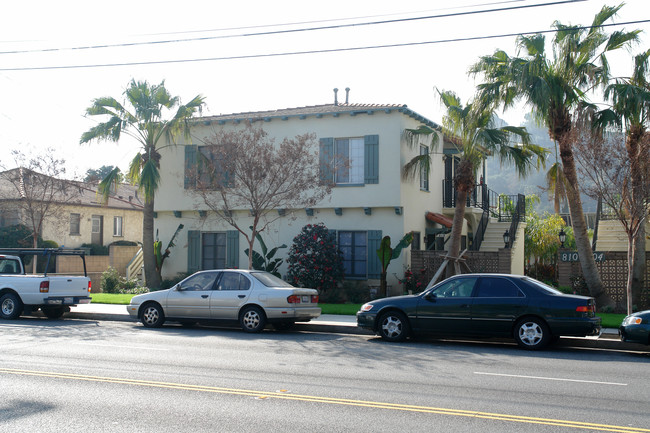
(213, 251)
(354, 246)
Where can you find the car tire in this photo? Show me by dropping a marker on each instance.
(53, 312)
(532, 333)
(393, 326)
(10, 306)
(252, 319)
(152, 315)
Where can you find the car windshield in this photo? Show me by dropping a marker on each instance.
(270, 280)
(544, 287)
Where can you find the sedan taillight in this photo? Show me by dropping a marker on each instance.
(297, 299)
(586, 309)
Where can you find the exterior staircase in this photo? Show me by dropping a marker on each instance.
(493, 237)
(611, 236)
(135, 268)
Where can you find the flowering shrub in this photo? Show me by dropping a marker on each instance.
(314, 259)
(413, 282)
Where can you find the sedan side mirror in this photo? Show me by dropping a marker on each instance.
(430, 296)
(178, 287)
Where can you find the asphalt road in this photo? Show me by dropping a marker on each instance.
(94, 376)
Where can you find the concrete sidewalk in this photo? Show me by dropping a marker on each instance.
(331, 323)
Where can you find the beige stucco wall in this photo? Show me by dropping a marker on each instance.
(391, 192)
(58, 228)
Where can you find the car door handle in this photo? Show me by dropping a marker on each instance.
(204, 296)
(241, 296)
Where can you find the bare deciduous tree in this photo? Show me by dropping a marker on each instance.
(606, 166)
(36, 191)
(246, 171)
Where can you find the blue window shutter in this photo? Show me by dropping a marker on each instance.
(326, 157)
(371, 159)
(232, 249)
(193, 251)
(374, 266)
(190, 166)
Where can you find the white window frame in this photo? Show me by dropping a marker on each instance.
(78, 223)
(118, 226)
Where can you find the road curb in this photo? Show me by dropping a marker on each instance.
(608, 341)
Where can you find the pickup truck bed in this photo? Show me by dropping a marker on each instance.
(53, 294)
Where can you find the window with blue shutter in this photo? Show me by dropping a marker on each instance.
(326, 159)
(193, 251)
(232, 249)
(371, 159)
(190, 166)
(374, 265)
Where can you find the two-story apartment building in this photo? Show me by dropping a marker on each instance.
(370, 201)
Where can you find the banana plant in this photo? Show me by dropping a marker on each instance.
(387, 254)
(265, 260)
(157, 249)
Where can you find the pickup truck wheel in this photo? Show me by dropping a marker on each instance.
(10, 306)
(53, 312)
(152, 316)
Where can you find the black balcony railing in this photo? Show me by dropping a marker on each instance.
(503, 207)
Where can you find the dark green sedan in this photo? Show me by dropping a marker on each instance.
(636, 328)
(484, 305)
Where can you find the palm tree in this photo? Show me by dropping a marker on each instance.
(554, 86)
(631, 109)
(144, 121)
(473, 130)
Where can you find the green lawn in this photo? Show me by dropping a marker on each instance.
(609, 320)
(110, 298)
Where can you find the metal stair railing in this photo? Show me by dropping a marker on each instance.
(135, 268)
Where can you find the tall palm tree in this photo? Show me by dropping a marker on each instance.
(630, 109)
(554, 85)
(474, 130)
(142, 119)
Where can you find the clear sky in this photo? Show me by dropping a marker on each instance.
(44, 107)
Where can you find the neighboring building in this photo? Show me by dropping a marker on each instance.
(370, 199)
(73, 212)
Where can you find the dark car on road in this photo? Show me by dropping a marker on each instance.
(484, 305)
(636, 328)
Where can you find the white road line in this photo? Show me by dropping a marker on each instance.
(550, 378)
(122, 347)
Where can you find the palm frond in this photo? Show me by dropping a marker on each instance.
(109, 185)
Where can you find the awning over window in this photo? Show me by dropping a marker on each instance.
(439, 218)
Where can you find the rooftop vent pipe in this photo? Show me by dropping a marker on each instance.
(347, 94)
(336, 101)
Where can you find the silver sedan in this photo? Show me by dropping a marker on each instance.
(252, 298)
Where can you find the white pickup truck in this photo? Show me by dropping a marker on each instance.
(53, 294)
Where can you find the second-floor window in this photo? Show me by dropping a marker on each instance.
(118, 226)
(424, 172)
(349, 161)
(75, 221)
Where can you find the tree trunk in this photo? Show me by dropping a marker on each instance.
(152, 279)
(631, 253)
(456, 228)
(585, 253)
(636, 157)
(383, 286)
(638, 267)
